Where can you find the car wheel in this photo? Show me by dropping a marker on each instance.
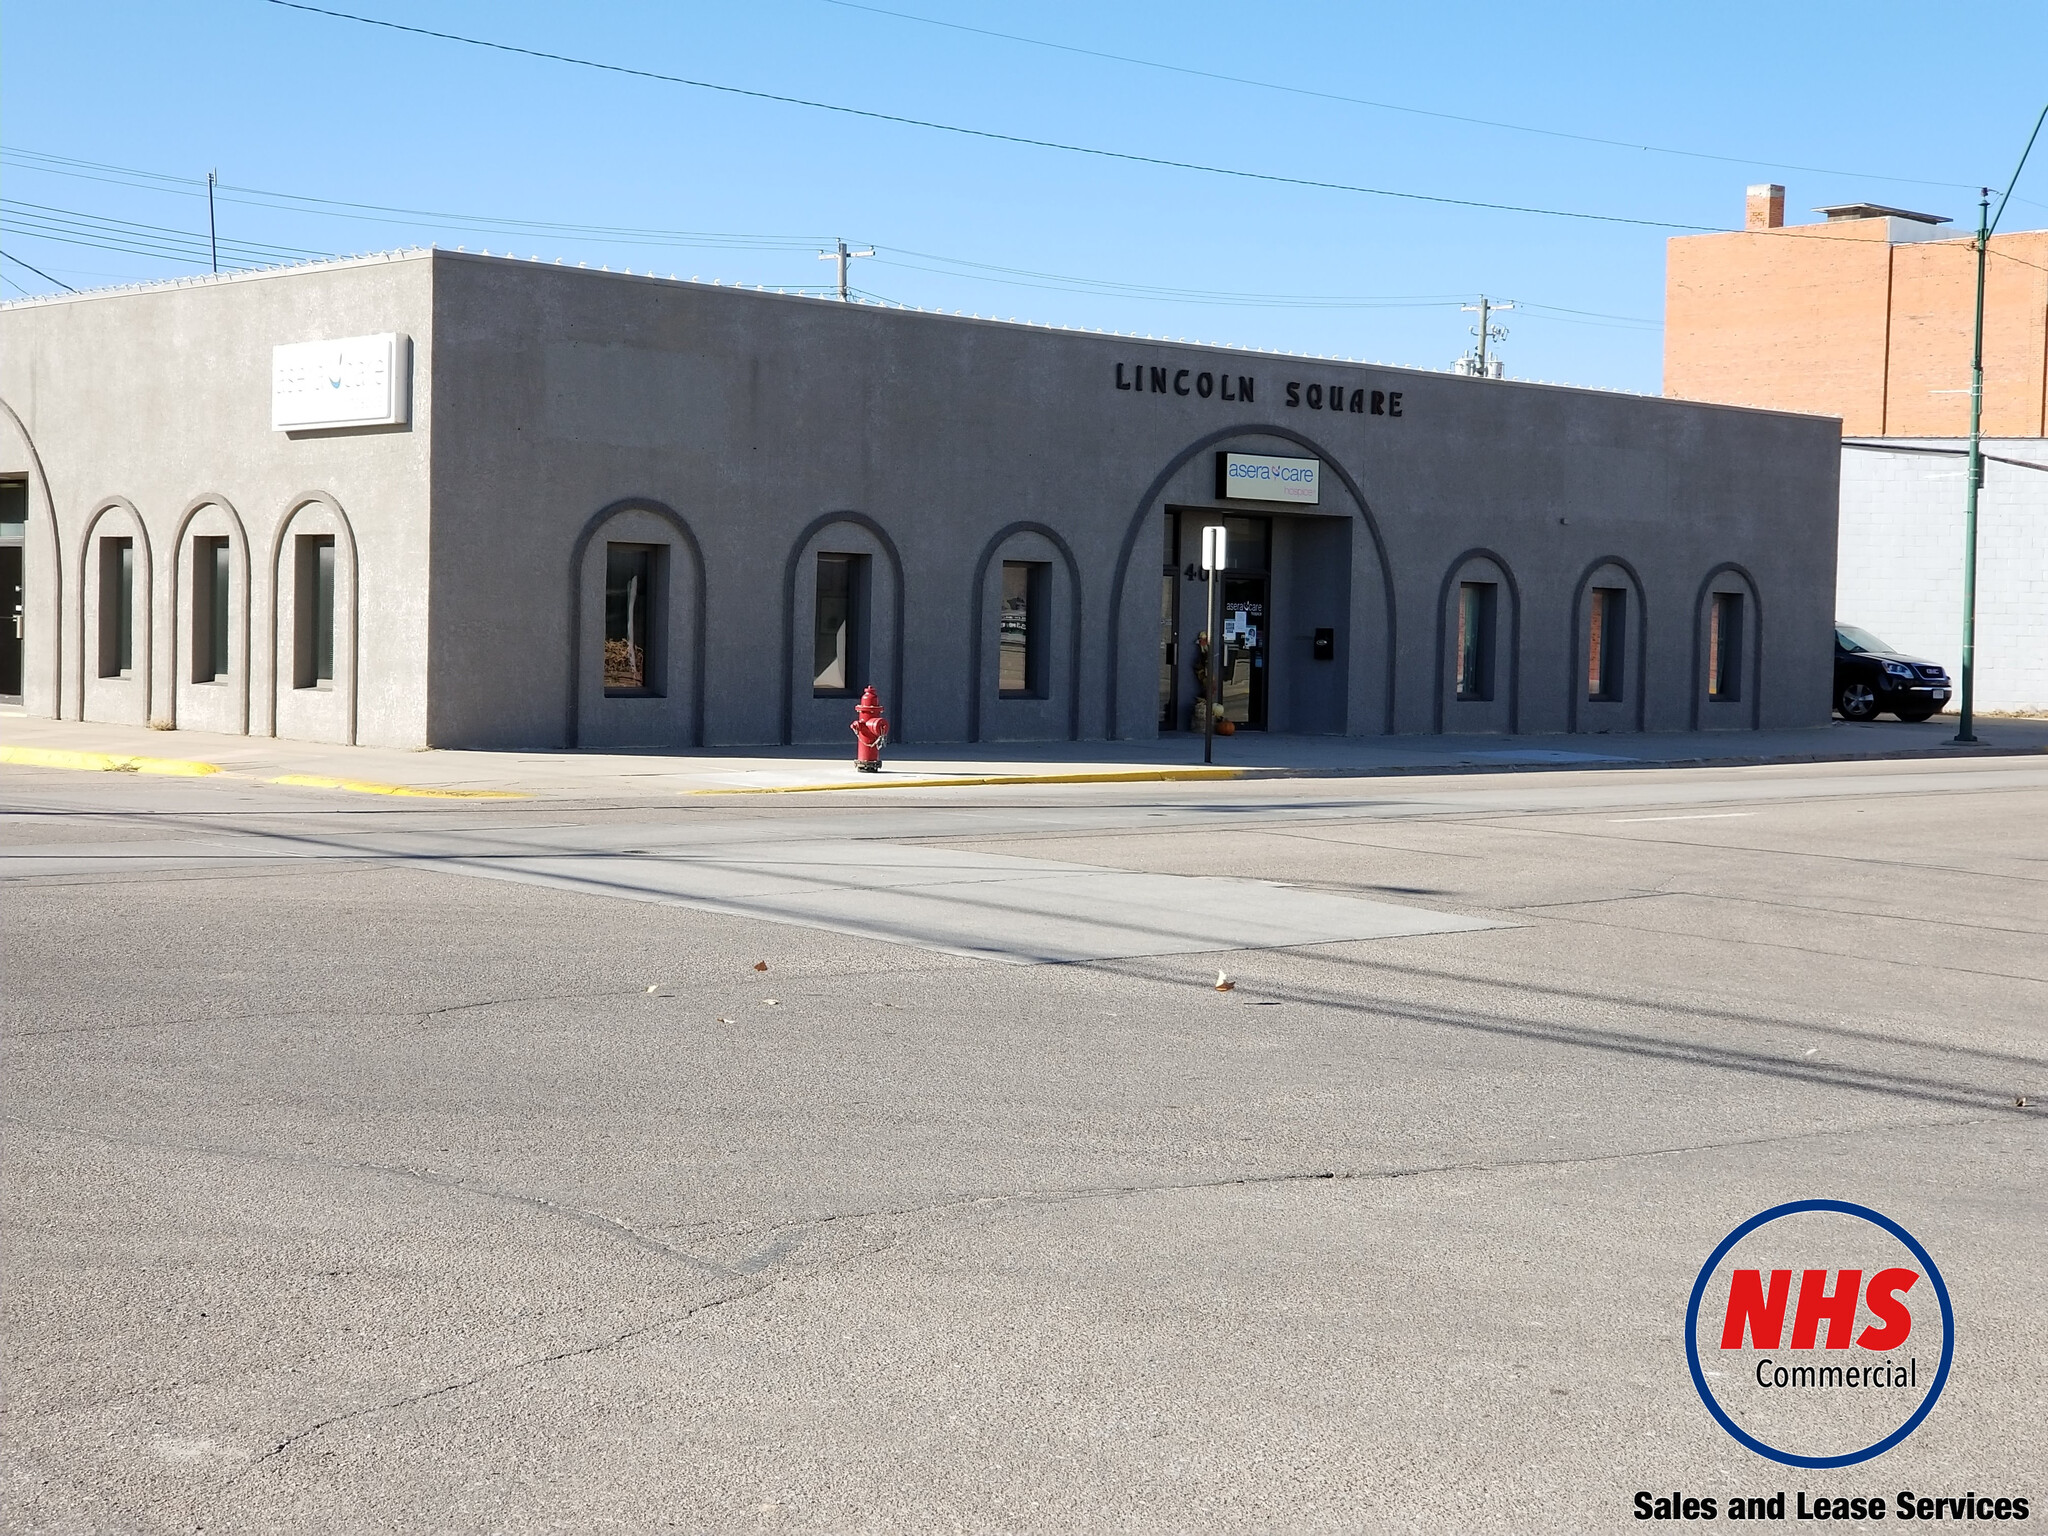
(1914, 716)
(1857, 701)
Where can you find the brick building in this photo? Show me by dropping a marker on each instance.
(1867, 316)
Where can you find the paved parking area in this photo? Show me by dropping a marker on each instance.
(343, 1190)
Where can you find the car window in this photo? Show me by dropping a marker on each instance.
(1850, 638)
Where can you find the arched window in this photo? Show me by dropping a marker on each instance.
(843, 628)
(1479, 633)
(1024, 659)
(116, 617)
(1605, 689)
(210, 620)
(638, 637)
(314, 579)
(1727, 652)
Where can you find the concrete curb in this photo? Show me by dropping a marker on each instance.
(104, 762)
(367, 787)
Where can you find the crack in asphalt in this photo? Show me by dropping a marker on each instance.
(554, 1357)
(1027, 1198)
(1077, 1193)
(596, 1220)
(396, 1015)
(1797, 949)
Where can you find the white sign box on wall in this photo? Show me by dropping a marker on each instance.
(1260, 477)
(357, 381)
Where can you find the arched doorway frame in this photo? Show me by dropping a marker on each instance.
(1148, 506)
(40, 481)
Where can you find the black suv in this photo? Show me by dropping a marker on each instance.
(1871, 678)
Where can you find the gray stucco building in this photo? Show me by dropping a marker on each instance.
(545, 506)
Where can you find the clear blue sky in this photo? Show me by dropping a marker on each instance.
(1902, 103)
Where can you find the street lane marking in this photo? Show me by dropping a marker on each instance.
(1699, 816)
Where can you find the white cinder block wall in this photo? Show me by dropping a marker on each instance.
(1900, 559)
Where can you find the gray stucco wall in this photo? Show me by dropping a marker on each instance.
(755, 416)
(146, 413)
(555, 410)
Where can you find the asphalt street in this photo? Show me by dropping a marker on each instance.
(454, 1166)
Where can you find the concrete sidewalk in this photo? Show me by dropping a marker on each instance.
(27, 742)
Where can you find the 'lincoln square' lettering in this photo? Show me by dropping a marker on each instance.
(1145, 379)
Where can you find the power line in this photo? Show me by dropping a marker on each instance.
(39, 272)
(295, 202)
(664, 239)
(128, 228)
(948, 266)
(144, 240)
(987, 134)
(1380, 106)
(134, 238)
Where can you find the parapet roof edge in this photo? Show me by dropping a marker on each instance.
(214, 279)
(762, 291)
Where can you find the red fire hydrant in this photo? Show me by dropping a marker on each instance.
(870, 732)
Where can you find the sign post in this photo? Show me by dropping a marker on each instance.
(1213, 555)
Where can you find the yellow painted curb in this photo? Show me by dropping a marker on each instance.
(364, 787)
(103, 762)
(877, 781)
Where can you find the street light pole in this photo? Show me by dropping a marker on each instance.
(1967, 694)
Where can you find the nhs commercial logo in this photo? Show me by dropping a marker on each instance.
(1820, 1333)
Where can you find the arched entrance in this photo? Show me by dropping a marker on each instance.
(1329, 626)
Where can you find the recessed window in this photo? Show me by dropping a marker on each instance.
(1020, 667)
(1476, 604)
(635, 599)
(839, 627)
(210, 594)
(313, 611)
(117, 607)
(1724, 648)
(1606, 644)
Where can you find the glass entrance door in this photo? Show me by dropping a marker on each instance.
(13, 528)
(1244, 675)
(1169, 626)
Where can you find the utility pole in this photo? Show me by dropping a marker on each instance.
(1486, 330)
(844, 257)
(1974, 479)
(212, 239)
